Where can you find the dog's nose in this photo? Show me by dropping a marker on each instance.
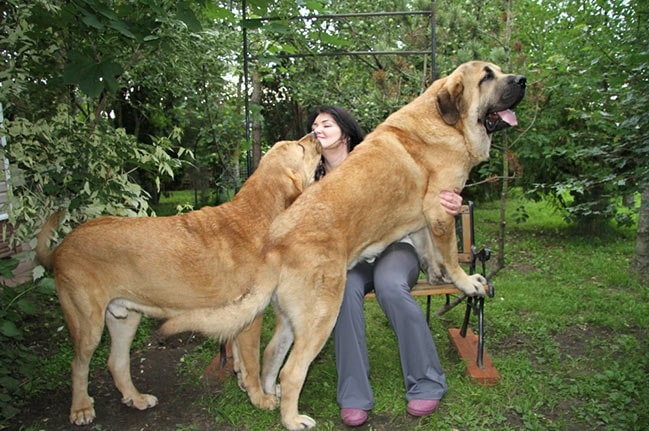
(520, 80)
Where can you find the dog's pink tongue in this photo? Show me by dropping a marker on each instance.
(509, 117)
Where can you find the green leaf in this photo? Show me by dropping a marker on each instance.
(84, 72)
(123, 28)
(259, 7)
(28, 307)
(9, 383)
(9, 329)
(92, 21)
(110, 70)
(46, 285)
(278, 27)
(213, 11)
(186, 15)
(329, 39)
(314, 5)
(108, 13)
(7, 266)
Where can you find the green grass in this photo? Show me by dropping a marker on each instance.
(566, 331)
(171, 203)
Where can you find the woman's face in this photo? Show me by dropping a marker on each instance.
(327, 130)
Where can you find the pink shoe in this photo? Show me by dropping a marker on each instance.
(353, 417)
(422, 407)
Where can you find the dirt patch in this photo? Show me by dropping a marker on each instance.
(154, 371)
(576, 341)
(522, 267)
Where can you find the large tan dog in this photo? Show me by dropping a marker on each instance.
(113, 269)
(388, 187)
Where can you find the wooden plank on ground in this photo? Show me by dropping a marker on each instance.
(467, 348)
(216, 371)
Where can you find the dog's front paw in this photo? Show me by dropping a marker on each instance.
(476, 285)
(241, 377)
(141, 401)
(264, 401)
(83, 416)
(299, 422)
(240, 383)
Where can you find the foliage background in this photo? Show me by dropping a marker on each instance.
(169, 76)
(108, 104)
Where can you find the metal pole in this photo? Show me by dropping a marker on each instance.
(433, 42)
(246, 105)
(350, 53)
(342, 15)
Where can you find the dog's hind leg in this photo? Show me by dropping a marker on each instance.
(245, 351)
(275, 353)
(312, 319)
(309, 340)
(85, 329)
(122, 325)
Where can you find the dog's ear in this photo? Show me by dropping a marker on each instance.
(449, 99)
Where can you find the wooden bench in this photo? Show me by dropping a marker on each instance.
(469, 346)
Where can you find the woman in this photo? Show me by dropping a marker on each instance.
(391, 275)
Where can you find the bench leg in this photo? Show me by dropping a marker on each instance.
(224, 357)
(479, 359)
(467, 316)
(477, 305)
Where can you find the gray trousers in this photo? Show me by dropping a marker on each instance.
(391, 275)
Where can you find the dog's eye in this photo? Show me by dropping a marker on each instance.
(488, 76)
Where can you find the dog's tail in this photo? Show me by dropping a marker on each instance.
(43, 252)
(224, 322)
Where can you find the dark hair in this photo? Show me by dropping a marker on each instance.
(348, 125)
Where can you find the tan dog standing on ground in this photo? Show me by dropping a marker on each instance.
(388, 187)
(114, 269)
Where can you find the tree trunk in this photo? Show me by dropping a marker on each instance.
(256, 123)
(640, 262)
(500, 260)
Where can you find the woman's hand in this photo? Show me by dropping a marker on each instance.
(451, 201)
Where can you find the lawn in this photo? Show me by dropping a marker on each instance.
(566, 331)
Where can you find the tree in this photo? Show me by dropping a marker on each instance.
(87, 72)
(575, 151)
(101, 60)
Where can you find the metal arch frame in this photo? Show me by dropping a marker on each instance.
(338, 16)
